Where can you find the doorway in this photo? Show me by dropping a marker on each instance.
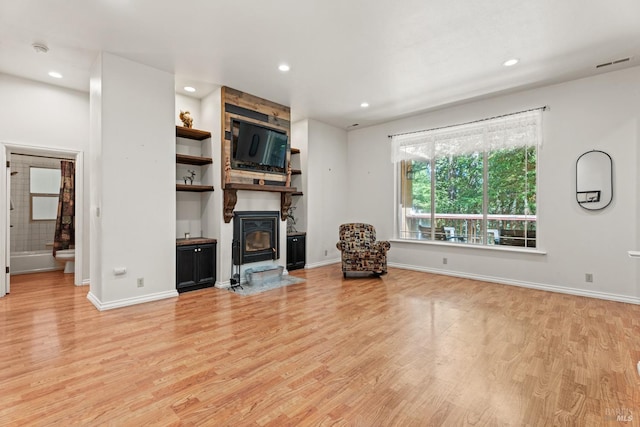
(7, 151)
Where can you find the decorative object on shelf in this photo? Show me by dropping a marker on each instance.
(190, 177)
(187, 235)
(291, 220)
(288, 182)
(186, 119)
(227, 170)
(261, 182)
(594, 180)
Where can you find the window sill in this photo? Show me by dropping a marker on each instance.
(499, 248)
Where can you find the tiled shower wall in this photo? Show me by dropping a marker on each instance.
(27, 235)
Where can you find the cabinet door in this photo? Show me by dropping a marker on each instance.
(186, 266)
(290, 252)
(295, 252)
(206, 264)
(300, 251)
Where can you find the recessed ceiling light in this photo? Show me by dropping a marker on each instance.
(364, 104)
(55, 74)
(190, 89)
(284, 67)
(510, 62)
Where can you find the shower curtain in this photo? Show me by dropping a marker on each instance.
(65, 222)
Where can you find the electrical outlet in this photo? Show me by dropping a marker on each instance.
(588, 277)
(141, 282)
(445, 261)
(326, 252)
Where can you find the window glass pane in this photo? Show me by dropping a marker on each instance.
(459, 197)
(44, 181)
(44, 208)
(512, 196)
(415, 212)
(482, 189)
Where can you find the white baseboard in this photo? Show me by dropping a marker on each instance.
(223, 285)
(85, 282)
(321, 263)
(129, 301)
(522, 284)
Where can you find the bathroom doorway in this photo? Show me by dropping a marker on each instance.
(27, 245)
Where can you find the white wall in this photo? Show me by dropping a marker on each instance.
(39, 115)
(601, 112)
(328, 189)
(192, 105)
(211, 111)
(300, 139)
(133, 153)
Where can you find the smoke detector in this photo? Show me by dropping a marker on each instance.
(40, 47)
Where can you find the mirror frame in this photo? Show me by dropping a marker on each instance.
(584, 198)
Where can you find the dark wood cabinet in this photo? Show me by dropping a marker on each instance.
(195, 266)
(296, 251)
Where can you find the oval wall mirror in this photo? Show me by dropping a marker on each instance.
(594, 180)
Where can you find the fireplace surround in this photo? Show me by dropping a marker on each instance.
(256, 236)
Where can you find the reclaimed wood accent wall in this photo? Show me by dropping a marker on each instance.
(250, 108)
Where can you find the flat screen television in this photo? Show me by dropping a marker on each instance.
(258, 148)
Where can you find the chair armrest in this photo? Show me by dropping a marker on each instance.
(382, 246)
(341, 245)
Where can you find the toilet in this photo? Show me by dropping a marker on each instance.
(68, 256)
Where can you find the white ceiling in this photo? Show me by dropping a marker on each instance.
(401, 56)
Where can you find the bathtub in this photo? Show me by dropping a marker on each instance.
(33, 262)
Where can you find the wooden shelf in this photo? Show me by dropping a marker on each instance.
(185, 159)
(194, 188)
(296, 172)
(295, 150)
(192, 133)
(195, 241)
(297, 193)
(256, 187)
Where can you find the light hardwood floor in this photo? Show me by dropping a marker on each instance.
(407, 349)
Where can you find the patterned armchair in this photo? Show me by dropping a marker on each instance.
(360, 251)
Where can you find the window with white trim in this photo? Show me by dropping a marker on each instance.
(473, 183)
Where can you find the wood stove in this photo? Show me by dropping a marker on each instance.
(256, 236)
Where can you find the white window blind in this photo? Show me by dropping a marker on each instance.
(509, 131)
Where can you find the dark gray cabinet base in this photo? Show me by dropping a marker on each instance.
(195, 267)
(296, 251)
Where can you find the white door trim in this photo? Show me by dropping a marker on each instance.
(6, 148)
(4, 224)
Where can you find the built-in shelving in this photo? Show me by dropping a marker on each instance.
(297, 193)
(191, 133)
(194, 188)
(195, 256)
(185, 159)
(295, 150)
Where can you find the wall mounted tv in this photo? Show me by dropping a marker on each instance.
(258, 148)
